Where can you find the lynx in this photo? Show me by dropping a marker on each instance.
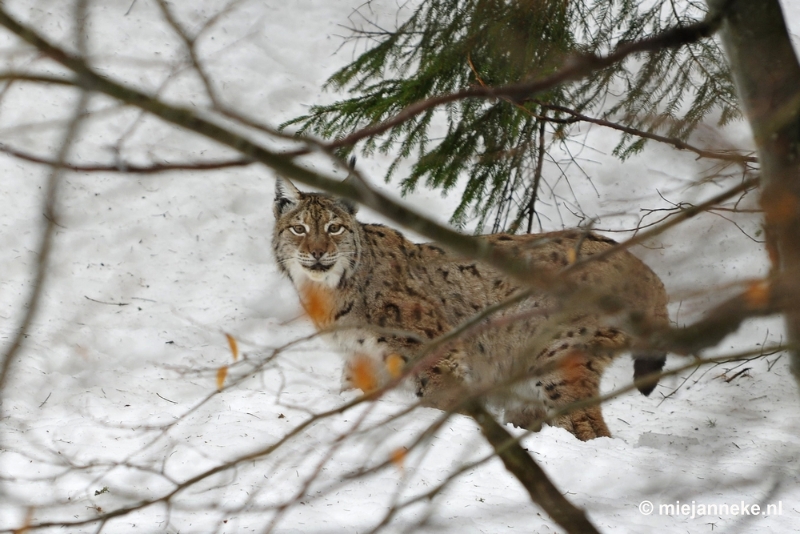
(382, 296)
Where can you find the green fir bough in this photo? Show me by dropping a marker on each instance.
(500, 146)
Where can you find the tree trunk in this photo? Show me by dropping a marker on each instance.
(767, 77)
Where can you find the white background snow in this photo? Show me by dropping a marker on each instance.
(116, 386)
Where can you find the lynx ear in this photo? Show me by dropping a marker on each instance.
(286, 196)
(346, 204)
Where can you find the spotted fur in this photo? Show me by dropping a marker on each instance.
(386, 295)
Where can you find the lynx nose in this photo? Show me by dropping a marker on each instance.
(317, 254)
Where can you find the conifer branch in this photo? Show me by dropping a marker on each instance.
(575, 68)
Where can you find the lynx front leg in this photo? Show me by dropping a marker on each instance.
(347, 377)
(372, 361)
(445, 384)
(526, 415)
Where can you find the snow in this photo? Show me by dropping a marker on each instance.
(114, 396)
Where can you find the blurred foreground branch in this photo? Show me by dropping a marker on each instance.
(129, 168)
(767, 75)
(528, 472)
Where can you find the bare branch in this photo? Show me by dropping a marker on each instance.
(45, 247)
(683, 215)
(677, 143)
(541, 489)
(130, 168)
(36, 78)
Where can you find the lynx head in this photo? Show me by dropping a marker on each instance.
(316, 236)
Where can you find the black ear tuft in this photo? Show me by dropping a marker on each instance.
(286, 196)
(347, 205)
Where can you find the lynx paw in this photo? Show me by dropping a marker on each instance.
(584, 423)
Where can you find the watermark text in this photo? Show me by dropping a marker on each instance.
(694, 509)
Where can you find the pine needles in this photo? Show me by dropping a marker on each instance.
(448, 45)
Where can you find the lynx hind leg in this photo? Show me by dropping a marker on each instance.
(648, 364)
(558, 390)
(580, 361)
(579, 381)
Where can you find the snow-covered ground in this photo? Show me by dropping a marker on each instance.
(113, 398)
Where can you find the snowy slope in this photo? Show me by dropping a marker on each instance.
(113, 398)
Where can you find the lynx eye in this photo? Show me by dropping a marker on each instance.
(335, 229)
(298, 229)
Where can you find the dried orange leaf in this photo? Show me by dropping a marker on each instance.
(398, 456)
(234, 347)
(364, 376)
(571, 365)
(318, 303)
(757, 294)
(394, 364)
(572, 256)
(222, 372)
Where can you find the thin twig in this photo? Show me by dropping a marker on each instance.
(189, 43)
(166, 399)
(130, 168)
(107, 303)
(677, 143)
(537, 176)
(685, 214)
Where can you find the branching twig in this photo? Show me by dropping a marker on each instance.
(677, 143)
(189, 42)
(685, 214)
